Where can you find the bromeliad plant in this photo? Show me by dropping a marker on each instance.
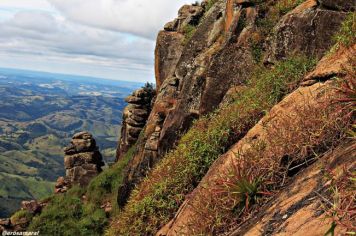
(242, 186)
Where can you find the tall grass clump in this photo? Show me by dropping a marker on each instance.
(158, 197)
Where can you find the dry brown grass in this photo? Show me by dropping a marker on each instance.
(294, 141)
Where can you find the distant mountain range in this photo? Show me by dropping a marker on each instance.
(39, 112)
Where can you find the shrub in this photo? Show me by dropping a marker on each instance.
(158, 197)
(341, 205)
(60, 217)
(106, 184)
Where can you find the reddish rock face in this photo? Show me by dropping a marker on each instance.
(82, 162)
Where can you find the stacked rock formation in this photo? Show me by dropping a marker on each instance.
(82, 162)
(134, 117)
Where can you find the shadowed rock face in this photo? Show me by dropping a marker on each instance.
(82, 162)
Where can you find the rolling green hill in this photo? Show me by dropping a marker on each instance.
(36, 123)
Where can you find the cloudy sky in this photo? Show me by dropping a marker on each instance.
(112, 39)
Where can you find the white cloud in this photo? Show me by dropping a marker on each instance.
(39, 5)
(107, 38)
(139, 17)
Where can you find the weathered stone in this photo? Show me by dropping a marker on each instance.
(133, 100)
(32, 206)
(306, 30)
(134, 118)
(83, 135)
(333, 64)
(189, 15)
(339, 5)
(171, 26)
(168, 50)
(290, 112)
(81, 142)
(79, 159)
(134, 123)
(82, 162)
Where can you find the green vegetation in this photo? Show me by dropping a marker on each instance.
(210, 4)
(31, 148)
(105, 186)
(68, 214)
(347, 34)
(156, 200)
(23, 187)
(285, 6)
(22, 214)
(188, 32)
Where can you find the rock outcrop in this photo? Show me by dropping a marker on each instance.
(219, 54)
(134, 117)
(82, 162)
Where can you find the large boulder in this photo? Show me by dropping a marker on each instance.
(82, 162)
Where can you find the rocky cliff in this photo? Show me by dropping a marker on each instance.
(213, 48)
(250, 130)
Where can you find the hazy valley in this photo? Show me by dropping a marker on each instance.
(39, 113)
